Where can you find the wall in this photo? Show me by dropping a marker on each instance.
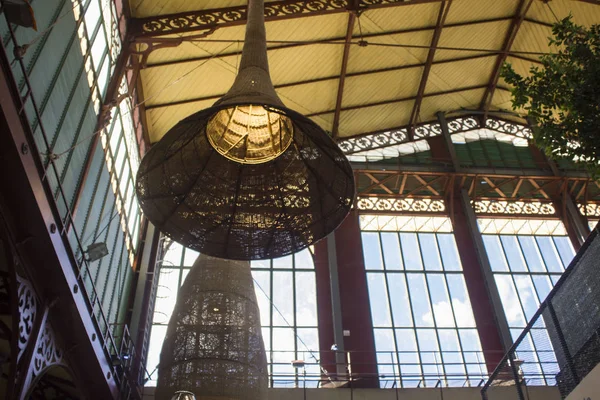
(589, 388)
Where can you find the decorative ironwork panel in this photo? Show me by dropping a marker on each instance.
(47, 353)
(589, 209)
(510, 128)
(514, 207)
(27, 304)
(463, 124)
(374, 141)
(235, 15)
(362, 145)
(380, 204)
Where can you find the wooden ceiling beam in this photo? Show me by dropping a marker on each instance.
(328, 40)
(342, 79)
(442, 15)
(193, 21)
(511, 34)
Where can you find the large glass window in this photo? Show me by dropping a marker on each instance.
(527, 258)
(425, 333)
(286, 293)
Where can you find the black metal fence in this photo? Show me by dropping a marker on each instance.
(561, 343)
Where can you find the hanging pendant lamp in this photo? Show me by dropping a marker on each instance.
(214, 347)
(247, 178)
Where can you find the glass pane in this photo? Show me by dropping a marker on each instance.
(308, 343)
(166, 294)
(306, 299)
(532, 254)
(190, 257)
(262, 287)
(513, 253)
(283, 298)
(565, 249)
(429, 251)
(469, 340)
(527, 294)
(283, 262)
(379, 302)
(550, 254)
(157, 337)
(510, 300)
(444, 317)
(284, 342)
(391, 250)
(420, 300)
(400, 301)
(371, 250)
(303, 260)
(410, 251)
(428, 342)
(449, 252)
(173, 255)
(495, 253)
(461, 303)
(543, 285)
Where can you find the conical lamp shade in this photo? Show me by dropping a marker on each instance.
(214, 347)
(247, 178)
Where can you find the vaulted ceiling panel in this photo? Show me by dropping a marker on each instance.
(377, 56)
(468, 39)
(399, 75)
(462, 11)
(355, 122)
(404, 17)
(160, 120)
(447, 76)
(310, 98)
(464, 99)
(373, 88)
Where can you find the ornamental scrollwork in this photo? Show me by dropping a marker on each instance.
(46, 353)
(510, 128)
(513, 207)
(362, 145)
(589, 209)
(27, 304)
(211, 18)
(463, 124)
(374, 141)
(428, 130)
(383, 204)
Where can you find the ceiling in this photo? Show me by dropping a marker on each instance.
(393, 64)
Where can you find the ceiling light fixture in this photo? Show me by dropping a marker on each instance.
(246, 178)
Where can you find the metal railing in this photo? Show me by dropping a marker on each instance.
(561, 343)
(116, 341)
(299, 369)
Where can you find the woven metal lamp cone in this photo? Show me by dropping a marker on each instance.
(247, 178)
(214, 347)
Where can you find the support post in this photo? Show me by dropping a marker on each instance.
(336, 306)
(575, 224)
(344, 248)
(488, 312)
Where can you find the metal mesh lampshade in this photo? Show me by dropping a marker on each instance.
(247, 178)
(214, 347)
